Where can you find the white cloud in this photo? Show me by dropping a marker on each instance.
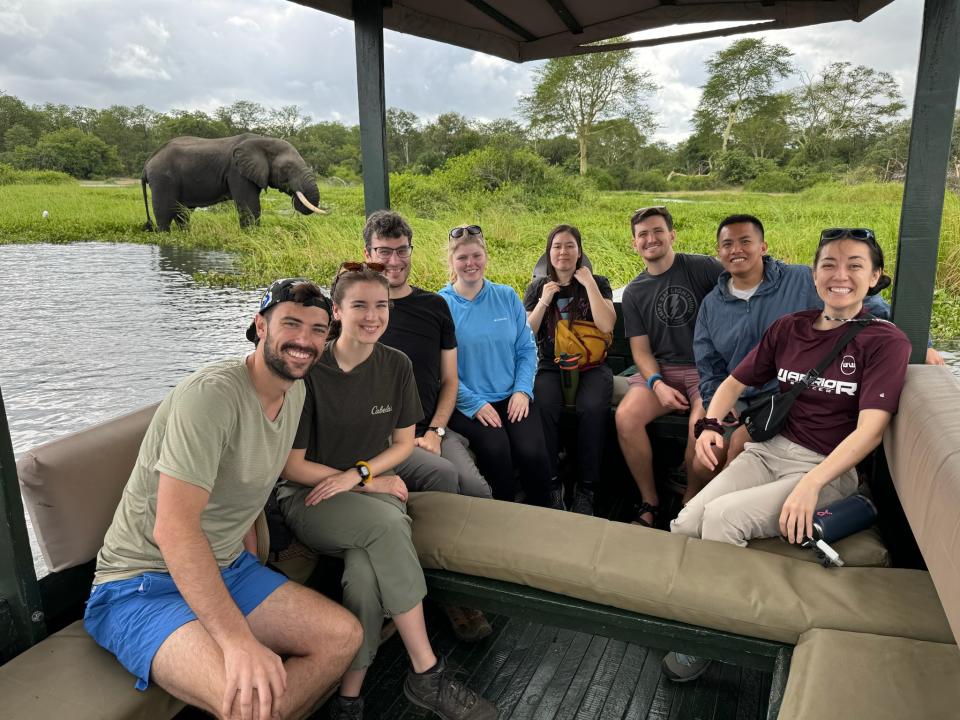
(135, 61)
(243, 23)
(14, 23)
(156, 28)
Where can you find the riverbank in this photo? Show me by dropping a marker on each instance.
(289, 244)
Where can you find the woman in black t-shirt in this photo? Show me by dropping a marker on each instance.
(571, 292)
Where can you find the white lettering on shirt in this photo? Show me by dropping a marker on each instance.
(835, 387)
(381, 409)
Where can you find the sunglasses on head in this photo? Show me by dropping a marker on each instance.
(469, 229)
(350, 266)
(831, 234)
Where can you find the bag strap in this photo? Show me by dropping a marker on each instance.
(813, 375)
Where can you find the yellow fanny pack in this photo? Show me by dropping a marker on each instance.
(583, 338)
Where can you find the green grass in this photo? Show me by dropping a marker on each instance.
(289, 244)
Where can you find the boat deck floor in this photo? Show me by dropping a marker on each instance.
(535, 671)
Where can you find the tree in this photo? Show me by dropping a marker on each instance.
(740, 79)
(72, 151)
(243, 116)
(403, 130)
(449, 135)
(844, 103)
(572, 94)
(765, 132)
(287, 121)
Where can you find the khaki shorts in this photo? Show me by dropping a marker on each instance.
(683, 378)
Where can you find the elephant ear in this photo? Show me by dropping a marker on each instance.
(252, 163)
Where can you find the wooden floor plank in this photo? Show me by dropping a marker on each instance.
(562, 677)
(581, 680)
(519, 683)
(697, 699)
(543, 677)
(602, 681)
(728, 688)
(645, 691)
(509, 667)
(625, 682)
(750, 704)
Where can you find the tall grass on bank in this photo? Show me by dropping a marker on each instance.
(289, 244)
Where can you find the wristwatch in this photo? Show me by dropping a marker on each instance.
(439, 431)
(364, 471)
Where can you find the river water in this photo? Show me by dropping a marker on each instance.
(94, 330)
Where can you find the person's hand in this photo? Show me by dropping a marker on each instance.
(933, 357)
(249, 665)
(584, 276)
(549, 290)
(487, 416)
(518, 407)
(388, 485)
(707, 441)
(670, 397)
(796, 517)
(429, 441)
(732, 419)
(333, 485)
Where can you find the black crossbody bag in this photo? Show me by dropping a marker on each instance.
(766, 418)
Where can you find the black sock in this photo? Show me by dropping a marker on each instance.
(429, 670)
(348, 700)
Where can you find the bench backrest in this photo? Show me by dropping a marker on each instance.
(922, 445)
(71, 486)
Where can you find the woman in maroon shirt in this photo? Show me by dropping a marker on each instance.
(773, 487)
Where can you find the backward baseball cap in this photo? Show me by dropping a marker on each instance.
(283, 290)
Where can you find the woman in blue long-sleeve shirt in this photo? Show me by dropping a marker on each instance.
(496, 364)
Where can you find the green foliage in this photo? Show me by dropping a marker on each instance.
(648, 180)
(71, 151)
(694, 183)
(11, 176)
(772, 181)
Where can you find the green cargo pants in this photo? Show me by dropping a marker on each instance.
(371, 532)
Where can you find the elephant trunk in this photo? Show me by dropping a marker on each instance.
(307, 196)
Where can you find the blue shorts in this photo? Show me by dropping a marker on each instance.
(132, 618)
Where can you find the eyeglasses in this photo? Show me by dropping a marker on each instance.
(831, 234)
(350, 266)
(385, 253)
(469, 229)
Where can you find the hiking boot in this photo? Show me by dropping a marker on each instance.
(342, 708)
(683, 668)
(468, 625)
(583, 502)
(439, 691)
(556, 497)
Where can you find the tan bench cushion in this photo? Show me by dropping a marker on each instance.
(850, 675)
(923, 451)
(69, 676)
(72, 486)
(862, 549)
(699, 582)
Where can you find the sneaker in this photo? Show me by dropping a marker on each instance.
(583, 502)
(342, 708)
(439, 691)
(469, 625)
(556, 497)
(683, 668)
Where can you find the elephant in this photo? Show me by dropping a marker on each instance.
(192, 172)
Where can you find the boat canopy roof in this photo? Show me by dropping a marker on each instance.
(522, 31)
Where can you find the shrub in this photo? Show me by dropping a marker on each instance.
(648, 180)
(772, 181)
(695, 182)
(12, 176)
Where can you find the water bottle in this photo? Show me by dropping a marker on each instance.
(837, 521)
(569, 377)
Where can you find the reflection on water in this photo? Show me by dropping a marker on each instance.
(94, 330)
(97, 329)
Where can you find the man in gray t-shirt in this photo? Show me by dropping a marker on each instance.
(659, 315)
(178, 597)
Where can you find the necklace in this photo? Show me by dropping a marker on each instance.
(836, 319)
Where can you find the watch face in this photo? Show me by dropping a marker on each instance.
(441, 432)
(364, 471)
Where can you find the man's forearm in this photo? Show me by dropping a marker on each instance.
(646, 363)
(446, 402)
(194, 569)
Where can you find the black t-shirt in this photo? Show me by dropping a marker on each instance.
(664, 307)
(559, 308)
(421, 327)
(350, 416)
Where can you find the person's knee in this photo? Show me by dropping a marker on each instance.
(634, 413)
(723, 521)
(689, 521)
(443, 478)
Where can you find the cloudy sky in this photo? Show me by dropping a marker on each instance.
(200, 54)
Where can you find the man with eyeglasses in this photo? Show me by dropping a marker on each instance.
(659, 311)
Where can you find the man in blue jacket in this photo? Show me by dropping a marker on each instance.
(753, 291)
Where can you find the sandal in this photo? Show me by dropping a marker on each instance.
(645, 508)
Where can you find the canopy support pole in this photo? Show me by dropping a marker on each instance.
(368, 38)
(22, 623)
(935, 101)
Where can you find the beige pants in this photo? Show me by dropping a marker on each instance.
(744, 501)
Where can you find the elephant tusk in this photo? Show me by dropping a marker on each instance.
(309, 205)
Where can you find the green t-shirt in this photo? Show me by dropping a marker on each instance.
(209, 431)
(350, 416)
